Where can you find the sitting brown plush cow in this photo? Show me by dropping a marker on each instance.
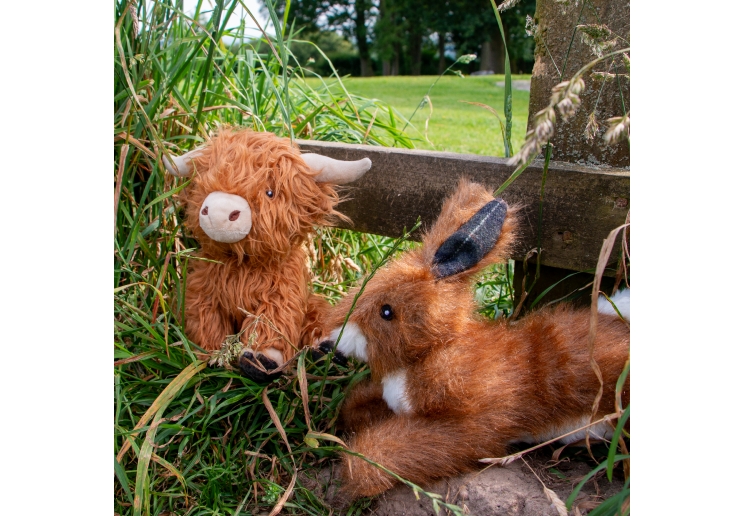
(252, 203)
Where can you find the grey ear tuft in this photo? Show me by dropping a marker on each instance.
(469, 244)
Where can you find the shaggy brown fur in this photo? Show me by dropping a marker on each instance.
(265, 273)
(475, 386)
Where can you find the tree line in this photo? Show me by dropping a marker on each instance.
(412, 37)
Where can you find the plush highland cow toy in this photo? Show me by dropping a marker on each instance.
(449, 387)
(252, 202)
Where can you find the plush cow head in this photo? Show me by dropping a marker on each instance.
(254, 194)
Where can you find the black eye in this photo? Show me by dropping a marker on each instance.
(270, 193)
(386, 312)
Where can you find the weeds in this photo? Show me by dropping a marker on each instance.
(190, 439)
(494, 293)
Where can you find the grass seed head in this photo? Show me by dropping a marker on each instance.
(602, 76)
(567, 107)
(592, 127)
(565, 97)
(598, 38)
(626, 61)
(508, 5)
(577, 86)
(545, 123)
(530, 27)
(619, 129)
(536, 137)
(230, 351)
(135, 19)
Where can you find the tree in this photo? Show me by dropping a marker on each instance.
(360, 31)
(400, 32)
(306, 14)
(347, 16)
(440, 18)
(475, 30)
(388, 36)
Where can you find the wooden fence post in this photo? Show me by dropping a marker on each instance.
(561, 51)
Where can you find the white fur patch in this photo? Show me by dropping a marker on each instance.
(622, 302)
(353, 343)
(599, 431)
(394, 392)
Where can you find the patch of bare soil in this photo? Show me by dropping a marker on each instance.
(512, 490)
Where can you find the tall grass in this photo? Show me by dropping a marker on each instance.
(189, 439)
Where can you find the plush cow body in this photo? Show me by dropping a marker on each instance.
(252, 203)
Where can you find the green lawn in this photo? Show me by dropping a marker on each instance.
(454, 126)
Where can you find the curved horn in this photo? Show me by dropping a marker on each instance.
(182, 164)
(336, 171)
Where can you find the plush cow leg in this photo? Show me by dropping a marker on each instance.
(418, 449)
(206, 324)
(259, 357)
(283, 319)
(317, 312)
(312, 326)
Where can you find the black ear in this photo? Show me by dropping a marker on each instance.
(469, 244)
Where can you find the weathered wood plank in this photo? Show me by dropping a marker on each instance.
(581, 204)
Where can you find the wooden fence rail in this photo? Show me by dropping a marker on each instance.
(581, 205)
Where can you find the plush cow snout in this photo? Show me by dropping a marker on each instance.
(225, 217)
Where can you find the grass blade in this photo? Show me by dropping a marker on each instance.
(602, 465)
(511, 178)
(141, 487)
(122, 476)
(162, 401)
(507, 85)
(615, 437)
